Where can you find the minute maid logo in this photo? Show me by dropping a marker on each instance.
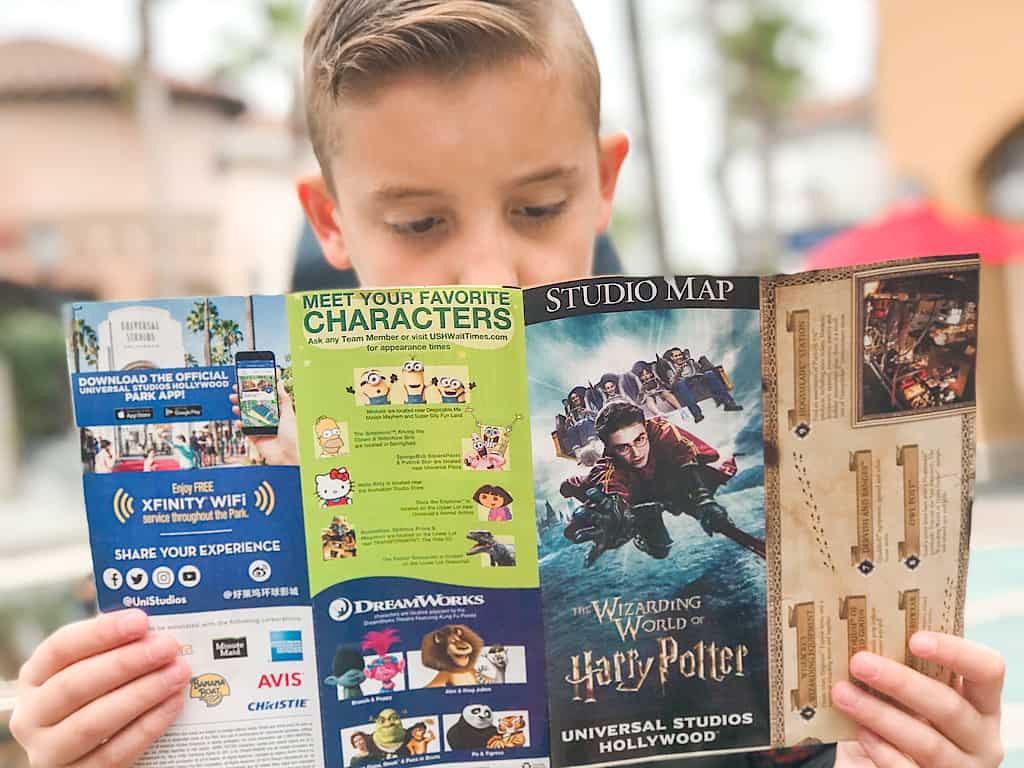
(124, 505)
(265, 498)
(211, 688)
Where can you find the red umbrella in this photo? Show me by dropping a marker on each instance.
(920, 229)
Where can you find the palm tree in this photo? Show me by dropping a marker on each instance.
(190, 360)
(203, 319)
(278, 47)
(228, 335)
(84, 339)
(761, 80)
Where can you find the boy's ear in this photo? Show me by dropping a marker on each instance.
(320, 210)
(613, 149)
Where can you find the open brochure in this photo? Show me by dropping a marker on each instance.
(588, 523)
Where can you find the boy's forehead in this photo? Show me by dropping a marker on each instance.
(521, 120)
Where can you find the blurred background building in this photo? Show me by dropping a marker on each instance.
(149, 147)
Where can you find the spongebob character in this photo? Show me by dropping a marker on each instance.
(452, 389)
(374, 388)
(328, 436)
(413, 381)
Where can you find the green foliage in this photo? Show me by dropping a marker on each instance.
(32, 345)
(761, 56)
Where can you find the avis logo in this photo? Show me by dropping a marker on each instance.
(124, 505)
(283, 680)
(210, 688)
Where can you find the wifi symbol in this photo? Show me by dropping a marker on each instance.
(124, 506)
(264, 494)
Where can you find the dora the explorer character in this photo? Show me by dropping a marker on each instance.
(458, 143)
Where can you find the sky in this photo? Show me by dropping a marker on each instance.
(190, 36)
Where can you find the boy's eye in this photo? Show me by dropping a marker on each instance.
(535, 212)
(417, 227)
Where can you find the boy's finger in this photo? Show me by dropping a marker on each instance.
(983, 669)
(98, 722)
(74, 642)
(74, 687)
(909, 735)
(882, 754)
(920, 695)
(128, 745)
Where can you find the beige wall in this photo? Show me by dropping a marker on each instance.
(948, 92)
(80, 165)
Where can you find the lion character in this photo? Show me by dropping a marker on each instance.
(452, 650)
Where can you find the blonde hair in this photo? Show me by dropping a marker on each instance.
(355, 47)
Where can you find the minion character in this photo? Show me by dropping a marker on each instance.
(374, 388)
(414, 382)
(452, 389)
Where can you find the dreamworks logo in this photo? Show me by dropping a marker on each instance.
(342, 608)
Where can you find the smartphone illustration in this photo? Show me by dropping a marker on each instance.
(256, 374)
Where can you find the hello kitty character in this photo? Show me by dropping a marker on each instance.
(334, 488)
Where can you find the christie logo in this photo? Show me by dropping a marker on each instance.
(342, 608)
(284, 680)
(230, 648)
(210, 688)
(286, 645)
(260, 706)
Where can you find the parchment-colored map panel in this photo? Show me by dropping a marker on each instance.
(871, 545)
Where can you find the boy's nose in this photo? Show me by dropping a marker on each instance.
(488, 256)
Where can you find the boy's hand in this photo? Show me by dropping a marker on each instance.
(930, 724)
(97, 693)
(281, 449)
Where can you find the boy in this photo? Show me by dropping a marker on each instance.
(458, 143)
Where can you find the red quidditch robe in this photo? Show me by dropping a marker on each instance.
(670, 447)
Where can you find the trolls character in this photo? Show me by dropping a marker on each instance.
(348, 673)
(386, 667)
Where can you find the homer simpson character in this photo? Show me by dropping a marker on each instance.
(374, 388)
(328, 436)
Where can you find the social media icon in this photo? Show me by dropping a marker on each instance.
(112, 578)
(259, 570)
(189, 576)
(137, 578)
(163, 577)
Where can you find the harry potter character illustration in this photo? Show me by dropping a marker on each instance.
(474, 729)
(511, 732)
(338, 540)
(374, 388)
(453, 651)
(493, 664)
(328, 437)
(662, 387)
(348, 672)
(649, 466)
(485, 544)
(386, 667)
(495, 500)
(334, 488)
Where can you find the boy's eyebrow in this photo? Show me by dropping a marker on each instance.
(394, 193)
(546, 174)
